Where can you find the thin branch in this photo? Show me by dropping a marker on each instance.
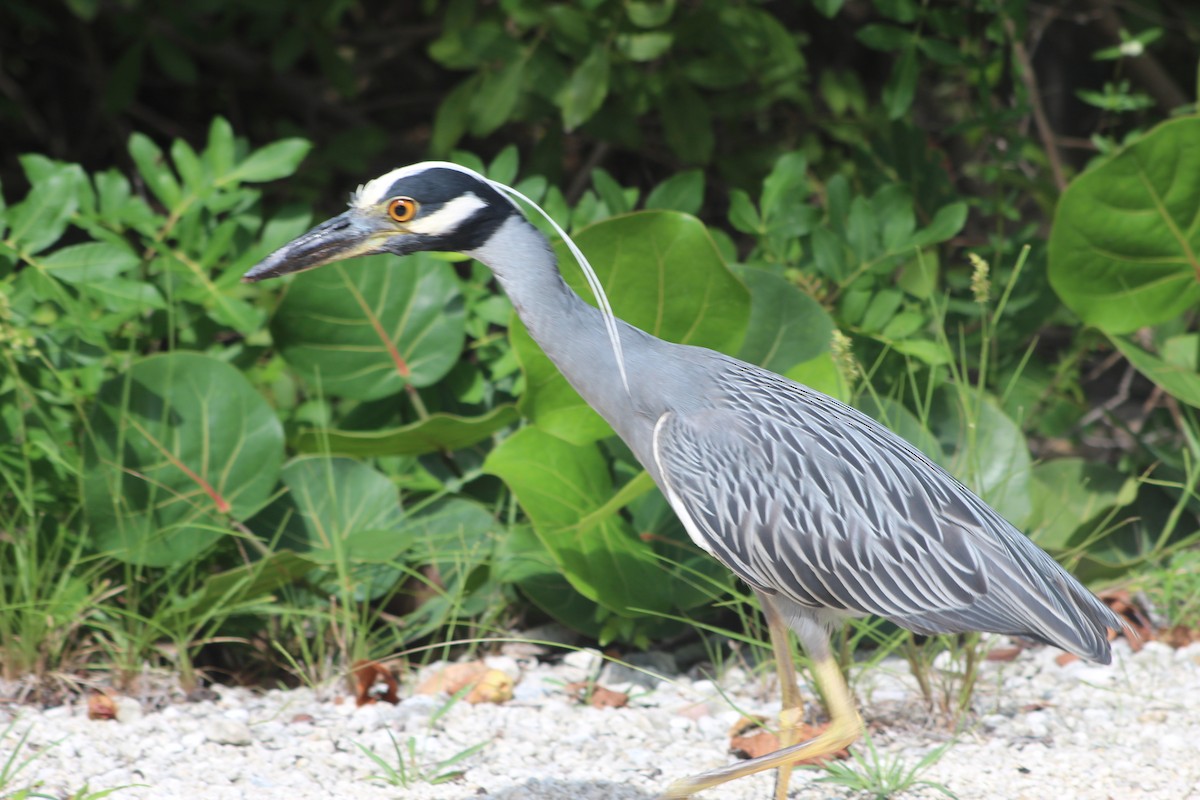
(1045, 132)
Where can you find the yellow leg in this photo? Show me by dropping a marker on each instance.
(845, 726)
(792, 713)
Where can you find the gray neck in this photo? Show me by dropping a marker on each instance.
(570, 331)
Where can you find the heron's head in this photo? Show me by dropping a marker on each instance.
(430, 206)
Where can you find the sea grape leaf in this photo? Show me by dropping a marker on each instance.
(1124, 251)
(179, 445)
(364, 328)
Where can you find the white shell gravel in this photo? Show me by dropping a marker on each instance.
(1131, 730)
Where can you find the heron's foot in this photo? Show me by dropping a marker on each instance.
(790, 720)
(840, 734)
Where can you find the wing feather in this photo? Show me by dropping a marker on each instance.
(807, 498)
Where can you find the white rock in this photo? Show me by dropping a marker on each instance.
(228, 731)
(129, 710)
(587, 660)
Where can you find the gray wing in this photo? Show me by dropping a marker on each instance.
(803, 496)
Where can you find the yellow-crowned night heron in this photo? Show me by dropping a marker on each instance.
(820, 509)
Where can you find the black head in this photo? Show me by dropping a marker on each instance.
(430, 206)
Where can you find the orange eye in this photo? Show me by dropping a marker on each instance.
(402, 209)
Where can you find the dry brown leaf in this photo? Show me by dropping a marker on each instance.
(493, 687)
(1134, 616)
(753, 745)
(101, 706)
(748, 740)
(1180, 636)
(745, 725)
(374, 682)
(1004, 653)
(596, 695)
(1035, 706)
(454, 678)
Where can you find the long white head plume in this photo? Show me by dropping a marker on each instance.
(372, 193)
(610, 319)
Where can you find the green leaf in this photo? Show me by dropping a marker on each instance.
(829, 8)
(365, 328)
(883, 306)
(1069, 495)
(645, 46)
(560, 487)
(123, 80)
(687, 124)
(586, 89)
(191, 170)
(786, 326)
(522, 559)
(494, 103)
(894, 209)
(154, 170)
(243, 583)
(221, 152)
(919, 275)
(437, 433)
(41, 218)
(901, 84)
(610, 193)
(649, 13)
(990, 454)
(884, 37)
(178, 445)
(90, 262)
(932, 353)
(786, 187)
(175, 62)
(124, 295)
(348, 511)
(683, 191)
(450, 122)
(1124, 251)
(830, 254)
(1179, 377)
(269, 163)
(742, 214)
(460, 539)
(946, 223)
(662, 273)
(822, 374)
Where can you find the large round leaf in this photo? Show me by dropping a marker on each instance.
(787, 327)
(1125, 247)
(364, 328)
(179, 445)
(344, 516)
(662, 273)
(347, 511)
(987, 452)
(1071, 498)
(564, 489)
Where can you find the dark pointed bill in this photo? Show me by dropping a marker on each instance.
(345, 236)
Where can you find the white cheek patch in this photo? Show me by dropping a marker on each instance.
(449, 217)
